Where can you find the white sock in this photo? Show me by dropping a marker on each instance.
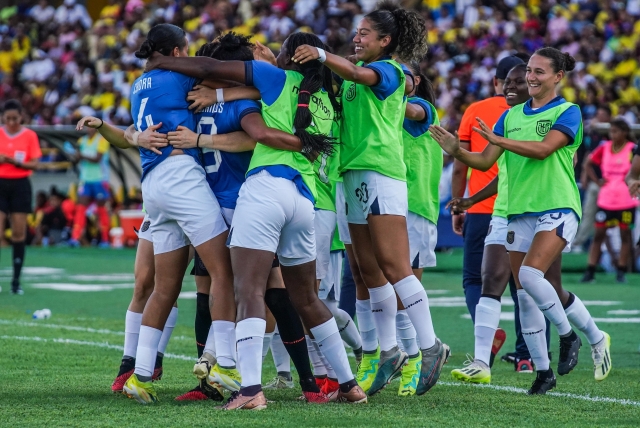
(224, 338)
(279, 353)
(266, 344)
(168, 330)
(249, 334)
(366, 325)
(147, 350)
(487, 320)
(545, 296)
(407, 333)
(346, 326)
(132, 322)
(316, 362)
(580, 317)
(533, 328)
(384, 308)
(416, 303)
(210, 345)
(328, 339)
(330, 372)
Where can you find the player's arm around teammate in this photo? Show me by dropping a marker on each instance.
(375, 180)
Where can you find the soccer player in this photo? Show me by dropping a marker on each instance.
(496, 270)
(539, 139)
(182, 208)
(616, 207)
(19, 155)
(477, 219)
(274, 212)
(144, 269)
(93, 159)
(226, 167)
(375, 185)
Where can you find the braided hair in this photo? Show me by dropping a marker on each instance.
(229, 47)
(406, 28)
(425, 87)
(315, 77)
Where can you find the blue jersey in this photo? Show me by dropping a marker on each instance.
(161, 96)
(225, 171)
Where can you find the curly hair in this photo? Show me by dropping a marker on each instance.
(228, 47)
(405, 27)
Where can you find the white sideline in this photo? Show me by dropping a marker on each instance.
(513, 389)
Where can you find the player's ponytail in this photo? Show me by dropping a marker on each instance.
(406, 28)
(560, 61)
(425, 87)
(162, 38)
(315, 77)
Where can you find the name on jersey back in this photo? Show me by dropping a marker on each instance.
(144, 83)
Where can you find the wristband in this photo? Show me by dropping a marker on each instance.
(220, 95)
(135, 137)
(101, 123)
(322, 55)
(198, 139)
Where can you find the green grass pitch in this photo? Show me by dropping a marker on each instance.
(58, 372)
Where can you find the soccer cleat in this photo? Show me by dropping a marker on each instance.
(524, 365)
(367, 370)
(410, 375)
(127, 366)
(143, 392)
(320, 381)
(157, 374)
(569, 348)
(279, 382)
(588, 277)
(202, 392)
(387, 369)
(315, 397)
(227, 378)
(237, 401)
(355, 396)
(498, 340)
(544, 382)
(475, 372)
(330, 386)
(15, 288)
(432, 361)
(202, 368)
(620, 277)
(601, 353)
(509, 357)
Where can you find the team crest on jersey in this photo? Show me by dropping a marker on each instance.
(543, 127)
(145, 226)
(511, 236)
(351, 92)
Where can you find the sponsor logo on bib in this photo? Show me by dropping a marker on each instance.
(543, 127)
(511, 235)
(351, 92)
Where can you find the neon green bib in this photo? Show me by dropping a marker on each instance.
(423, 158)
(280, 115)
(540, 185)
(326, 170)
(502, 200)
(372, 129)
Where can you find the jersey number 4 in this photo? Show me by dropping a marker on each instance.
(148, 119)
(212, 158)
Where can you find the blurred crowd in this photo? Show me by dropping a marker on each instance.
(62, 63)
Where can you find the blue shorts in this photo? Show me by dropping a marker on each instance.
(94, 190)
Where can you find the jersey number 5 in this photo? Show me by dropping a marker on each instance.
(212, 157)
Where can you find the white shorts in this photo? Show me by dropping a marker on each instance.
(324, 225)
(145, 230)
(272, 215)
(497, 231)
(369, 192)
(333, 279)
(181, 207)
(341, 212)
(522, 230)
(423, 236)
(227, 215)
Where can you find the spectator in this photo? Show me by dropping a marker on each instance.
(69, 12)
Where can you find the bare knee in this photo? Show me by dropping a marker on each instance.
(394, 271)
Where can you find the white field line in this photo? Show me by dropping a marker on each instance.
(86, 343)
(512, 389)
(77, 328)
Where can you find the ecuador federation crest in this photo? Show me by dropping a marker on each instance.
(543, 127)
(511, 235)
